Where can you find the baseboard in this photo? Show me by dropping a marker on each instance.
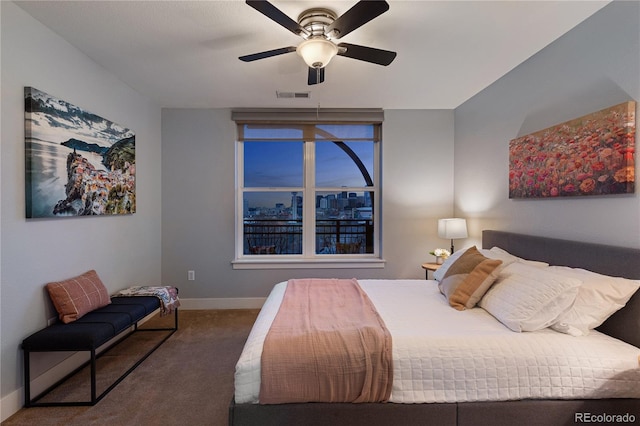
(222, 303)
(11, 404)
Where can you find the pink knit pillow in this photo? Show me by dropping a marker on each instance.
(78, 296)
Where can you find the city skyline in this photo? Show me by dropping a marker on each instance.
(325, 200)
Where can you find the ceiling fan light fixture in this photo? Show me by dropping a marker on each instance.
(317, 52)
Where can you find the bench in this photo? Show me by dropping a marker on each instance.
(88, 333)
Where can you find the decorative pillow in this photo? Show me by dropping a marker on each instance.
(468, 279)
(599, 297)
(77, 296)
(494, 253)
(529, 298)
(439, 273)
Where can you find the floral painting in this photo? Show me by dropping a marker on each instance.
(77, 163)
(590, 155)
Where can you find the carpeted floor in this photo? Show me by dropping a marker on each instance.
(188, 381)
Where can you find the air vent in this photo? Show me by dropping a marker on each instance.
(293, 95)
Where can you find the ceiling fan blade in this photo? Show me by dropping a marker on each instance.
(361, 13)
(275, 14)
(267, 54)
(316, 76)
(367, 54)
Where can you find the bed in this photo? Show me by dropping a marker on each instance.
(495, 402)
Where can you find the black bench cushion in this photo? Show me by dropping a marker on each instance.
(93, 329)
(69, 337)
(150, 303)
(119, 321)
(134, 312)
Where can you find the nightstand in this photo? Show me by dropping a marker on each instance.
(430, 267)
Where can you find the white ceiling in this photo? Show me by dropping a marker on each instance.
(184, 54)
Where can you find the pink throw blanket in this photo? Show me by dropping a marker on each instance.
(327, 343)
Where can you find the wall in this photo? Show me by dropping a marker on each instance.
(125, 250)
(198, 172)
(594, 66)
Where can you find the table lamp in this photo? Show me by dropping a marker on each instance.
(451, 229)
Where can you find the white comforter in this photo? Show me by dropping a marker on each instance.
(444, 355)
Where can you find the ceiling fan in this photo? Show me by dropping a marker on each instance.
(319, 27)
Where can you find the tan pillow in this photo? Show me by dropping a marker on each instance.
(78, 296)
(469, 278)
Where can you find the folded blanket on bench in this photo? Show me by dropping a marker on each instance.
(168, 296)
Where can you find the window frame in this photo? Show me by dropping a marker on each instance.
(309, 258)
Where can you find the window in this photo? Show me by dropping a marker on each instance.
(307, 193)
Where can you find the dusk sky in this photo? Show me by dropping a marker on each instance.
(278, 164)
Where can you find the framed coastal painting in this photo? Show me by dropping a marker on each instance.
(77, 163)
(590, 155)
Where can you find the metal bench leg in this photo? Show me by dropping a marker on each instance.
(27, 379)
(93, 377)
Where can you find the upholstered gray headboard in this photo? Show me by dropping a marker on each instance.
(604, 259)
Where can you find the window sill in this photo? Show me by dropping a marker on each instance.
(272, 263)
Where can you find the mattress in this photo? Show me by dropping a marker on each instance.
(444, 355)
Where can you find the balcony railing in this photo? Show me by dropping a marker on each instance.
(333, 236)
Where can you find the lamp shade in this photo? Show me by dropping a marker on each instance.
(452, 228)
(317, 52)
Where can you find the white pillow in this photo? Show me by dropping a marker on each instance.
(526, 269)
(599, 297)
(529, 298)
(505, 254)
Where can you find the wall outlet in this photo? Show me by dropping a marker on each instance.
(191, 275)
